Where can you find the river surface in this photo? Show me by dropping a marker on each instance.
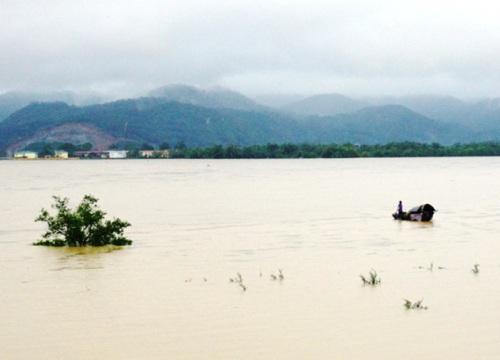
(196, 224)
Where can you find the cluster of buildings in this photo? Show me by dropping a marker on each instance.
(58, 154)
(93, 154)
(120, 154)
(101, 154)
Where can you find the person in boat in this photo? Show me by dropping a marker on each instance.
(400, 208)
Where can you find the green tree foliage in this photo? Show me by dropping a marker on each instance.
(348, 150)
(47, 150)
(181, 145)
(164, 146)
(146, 146)
(70, 148)
(83, 226)
(84, 147)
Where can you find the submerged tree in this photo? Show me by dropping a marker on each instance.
(81, 227)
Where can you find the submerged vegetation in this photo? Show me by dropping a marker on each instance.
(84, 226)
(238, 280)
(372, 279)
(475, 269)
(280, 275)
(414, 305)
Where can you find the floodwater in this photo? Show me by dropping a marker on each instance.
(198, 223)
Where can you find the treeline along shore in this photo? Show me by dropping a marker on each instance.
(279, 151)
(289, 150)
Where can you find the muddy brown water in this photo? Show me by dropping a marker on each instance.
(198, 223)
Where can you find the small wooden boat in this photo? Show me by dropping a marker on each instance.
(423, 212)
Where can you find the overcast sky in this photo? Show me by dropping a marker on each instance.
(353, 47)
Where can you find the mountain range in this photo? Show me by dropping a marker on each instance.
(203, 117)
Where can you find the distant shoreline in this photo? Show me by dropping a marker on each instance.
(45, 159)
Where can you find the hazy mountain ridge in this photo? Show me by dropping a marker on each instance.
(14, 100)
(158, 119)
(379, 125)
(480, 114)
(155, 121)
(326, 105)
(443, 108)
(211, 98)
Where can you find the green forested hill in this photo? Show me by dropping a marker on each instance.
(35, 118)
(153, 121)
(156, 120)
(383, 124)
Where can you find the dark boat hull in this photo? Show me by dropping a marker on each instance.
(419, 213)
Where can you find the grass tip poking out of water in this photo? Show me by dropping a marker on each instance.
(238, 280)
(280, 275)
(372, 279)
(414, 305)
(431, 267)
(475, 269)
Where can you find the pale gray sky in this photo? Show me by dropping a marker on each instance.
(354, 47)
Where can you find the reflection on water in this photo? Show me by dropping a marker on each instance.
(79, 258)
(196, 224)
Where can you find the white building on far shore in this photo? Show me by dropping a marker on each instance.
(26, 155)
(61, 154)
(117, 154)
